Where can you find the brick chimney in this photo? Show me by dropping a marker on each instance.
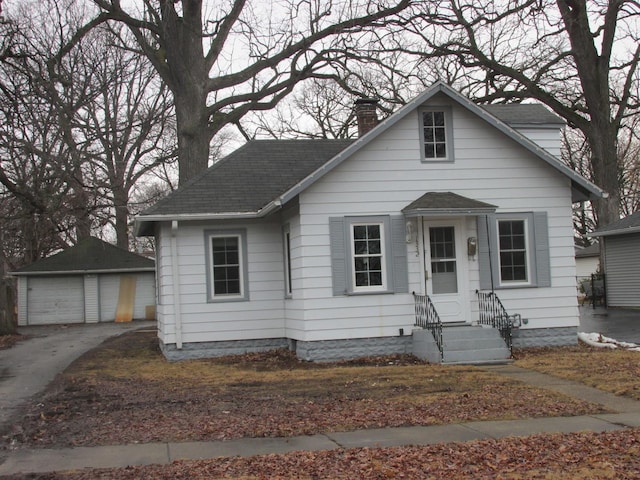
(365, 109)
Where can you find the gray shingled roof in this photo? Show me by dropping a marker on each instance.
(249, 178)
(517, 114)
(89, 255)
(592, 250)
(629, 224)
(446, 203)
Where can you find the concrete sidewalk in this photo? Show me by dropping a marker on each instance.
(627, 414)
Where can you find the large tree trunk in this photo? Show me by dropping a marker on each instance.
(187, 80)
(604, 161)
(7, 304)
(121, 198)
(194, 135)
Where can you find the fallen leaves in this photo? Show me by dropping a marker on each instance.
(616, 371)
(119, 394)
(8, 341)
(607, 455)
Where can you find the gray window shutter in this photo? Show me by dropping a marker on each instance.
(399, 255)
(541, 238)
(338, 255)
(487, 252)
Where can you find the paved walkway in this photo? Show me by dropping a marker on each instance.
(28, 367)
(627, 414)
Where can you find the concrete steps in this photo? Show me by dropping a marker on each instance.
(473, 344)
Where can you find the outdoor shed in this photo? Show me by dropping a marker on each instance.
(621, 260)
(84, 284)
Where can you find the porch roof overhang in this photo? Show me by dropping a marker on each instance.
(446, 204)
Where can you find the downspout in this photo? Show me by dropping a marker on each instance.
(424, 256)
(486, 219)
(176, 283)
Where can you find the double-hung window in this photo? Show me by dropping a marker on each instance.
(512, 242)
(226, 265)
(436, 135)
(368, 256)
(513, 250)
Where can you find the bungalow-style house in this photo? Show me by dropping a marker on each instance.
(621, 261)
(339, 248)
(86, 283)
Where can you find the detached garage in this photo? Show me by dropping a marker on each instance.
(91, 282)
(621, 247)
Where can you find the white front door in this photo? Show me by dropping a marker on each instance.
(445, 268)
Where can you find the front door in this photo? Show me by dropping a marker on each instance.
(446, 269)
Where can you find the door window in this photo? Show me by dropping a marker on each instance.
(443, 260)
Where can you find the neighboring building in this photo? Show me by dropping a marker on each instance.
(587, 261)
(82, 284)
(318, 245)
(621, 257)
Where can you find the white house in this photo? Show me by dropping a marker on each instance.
(319, 245)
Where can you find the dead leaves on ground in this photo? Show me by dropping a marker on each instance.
(615, 371)
(607, 455)
(125, 392)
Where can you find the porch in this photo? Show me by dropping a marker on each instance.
(487, 341)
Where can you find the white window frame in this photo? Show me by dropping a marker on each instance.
(528, 254)
(383, 256)
(448, 132)
(243, 295)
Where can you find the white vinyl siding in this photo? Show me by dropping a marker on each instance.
(386, 176)
(205, 321)
(379, 180)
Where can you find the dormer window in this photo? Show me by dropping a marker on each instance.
(436, 134)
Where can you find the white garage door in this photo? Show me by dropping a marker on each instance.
(110, 290)
(55, 300)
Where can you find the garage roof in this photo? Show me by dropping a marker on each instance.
(91, 255)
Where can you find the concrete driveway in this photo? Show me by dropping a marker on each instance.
(28, 367)
(616, 323)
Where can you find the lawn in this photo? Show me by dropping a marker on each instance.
(126, 392)
(616, 371)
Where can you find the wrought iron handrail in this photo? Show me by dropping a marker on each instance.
(493, 313)
(427, 317)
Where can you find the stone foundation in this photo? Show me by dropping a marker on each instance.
(333, 350)
(191, 351)
(545, 337)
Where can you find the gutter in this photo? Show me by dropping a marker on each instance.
(619, 231)
(81, 272)
(140, 220)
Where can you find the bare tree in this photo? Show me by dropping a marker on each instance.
(578, 57)
(224, 60)
(127, 128)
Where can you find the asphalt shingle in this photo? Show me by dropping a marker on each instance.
(91, 254)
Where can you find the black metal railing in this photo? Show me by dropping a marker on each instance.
(493, 313)
(427, 317)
